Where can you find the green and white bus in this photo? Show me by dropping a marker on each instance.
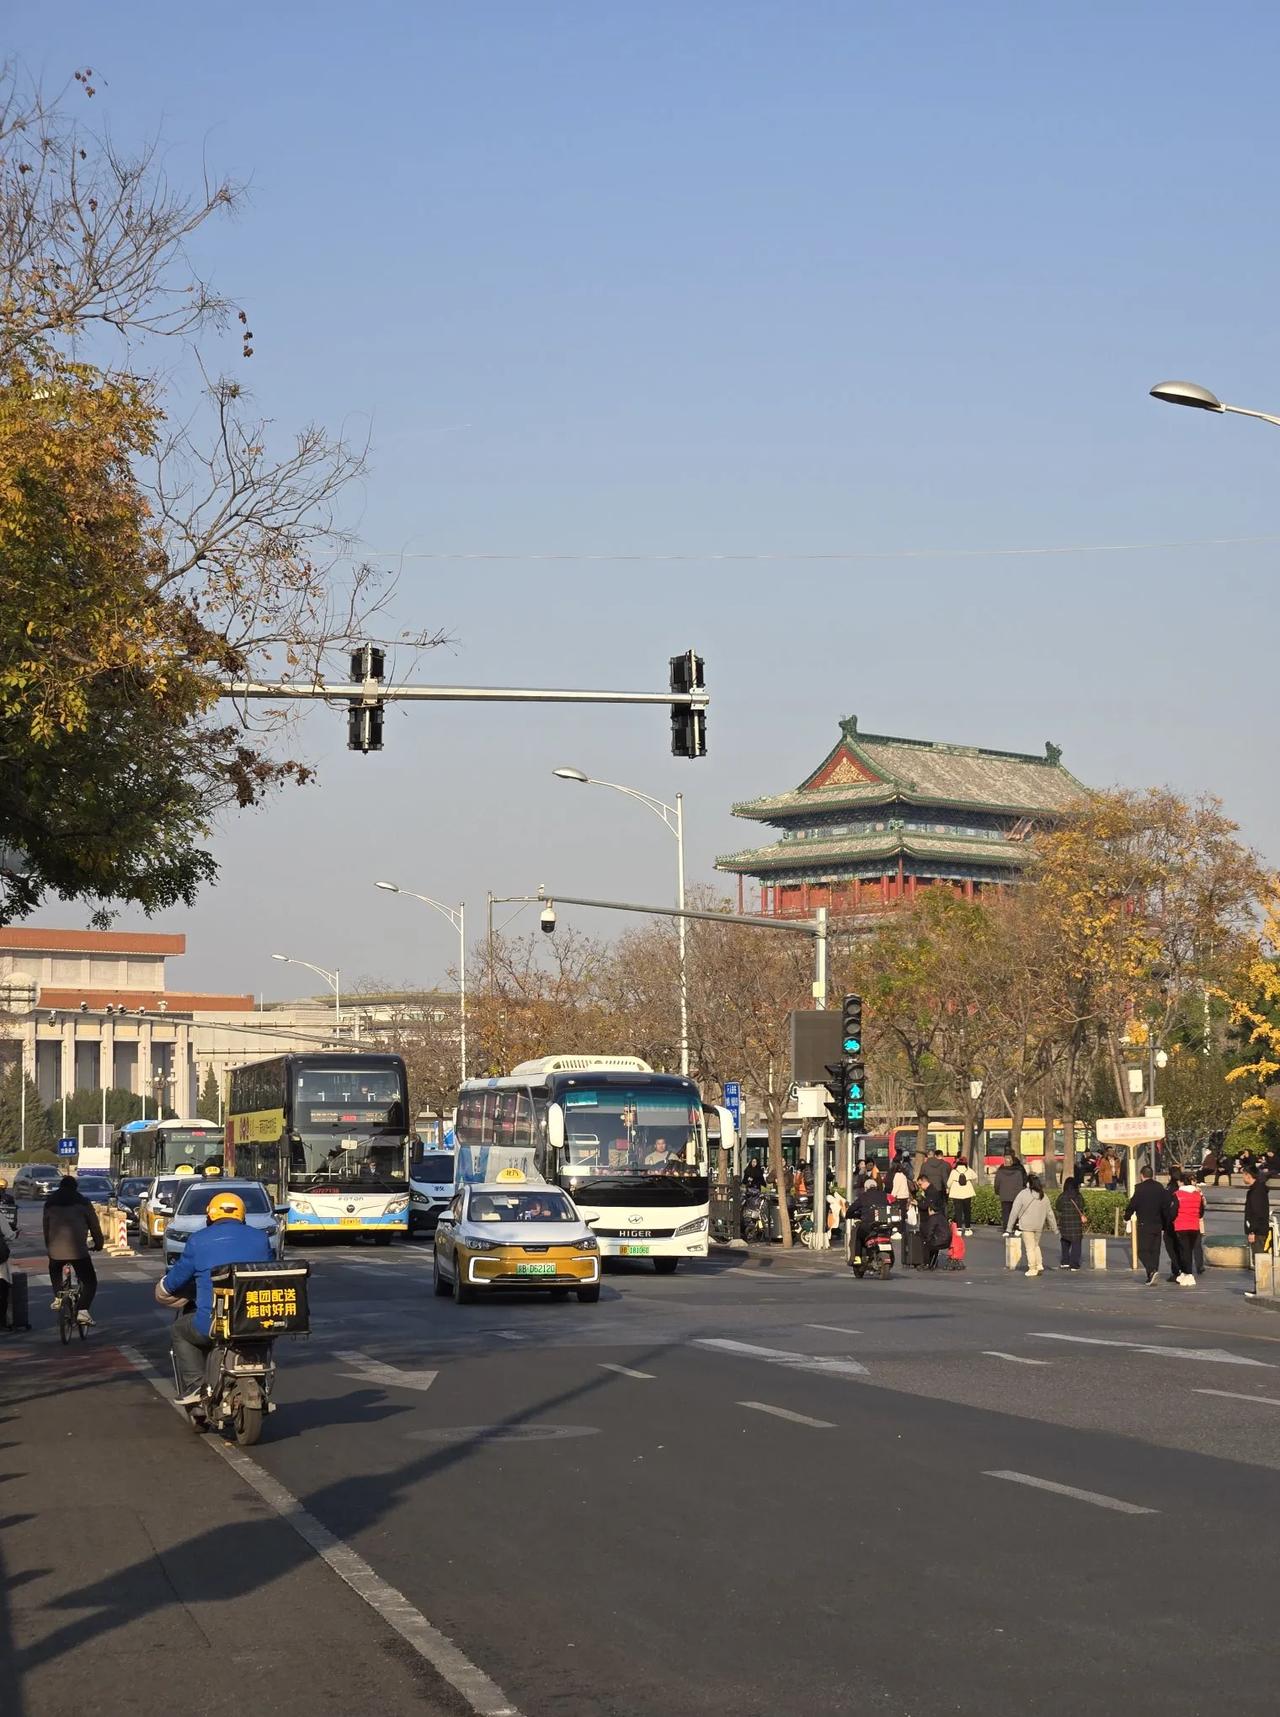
(627, 1144)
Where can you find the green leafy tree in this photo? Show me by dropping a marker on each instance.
(209, 1106)
(85, 1109)
(39, 1135)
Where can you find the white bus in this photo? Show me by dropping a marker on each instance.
(629, 1146)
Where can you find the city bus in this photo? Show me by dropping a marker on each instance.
(149, 1148)
(627, 1144)
(997, 1137)
(327, 1134)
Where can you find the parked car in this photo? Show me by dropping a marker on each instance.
(36, 1180)
(193, 1202)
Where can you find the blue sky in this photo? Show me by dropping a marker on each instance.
(693, 277)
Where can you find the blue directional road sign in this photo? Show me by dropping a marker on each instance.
(733, 1101)
(67, 1147)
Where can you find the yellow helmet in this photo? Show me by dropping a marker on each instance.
(226, 1207)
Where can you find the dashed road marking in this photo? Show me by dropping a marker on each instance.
(1234, 1395)
(786, 1413)
(1115, 1503)
(821, 1366)
(483, 1695)
(626, 1371)
(836, 1329)
(1016, 1358)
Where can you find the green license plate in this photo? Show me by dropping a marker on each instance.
(535, 1269)
(634, 1251)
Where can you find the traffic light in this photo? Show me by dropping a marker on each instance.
(838, 1089)
(364, 720)
(855, 1097)
(688, 725)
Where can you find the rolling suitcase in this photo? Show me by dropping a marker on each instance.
(19, 1304)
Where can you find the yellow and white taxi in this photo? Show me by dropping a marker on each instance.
(513, 1233)
(156, 1206)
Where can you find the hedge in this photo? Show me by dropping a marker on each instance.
(1100, 1207)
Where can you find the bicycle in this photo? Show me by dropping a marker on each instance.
(69, 1306)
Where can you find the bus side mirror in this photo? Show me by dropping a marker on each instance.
(555, 1127)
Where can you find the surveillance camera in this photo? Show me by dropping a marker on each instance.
(548, 920)
(84, 1007)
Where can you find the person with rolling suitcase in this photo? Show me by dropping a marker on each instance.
(13, 1291)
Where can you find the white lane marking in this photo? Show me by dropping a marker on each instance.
(1215, 1355)
(779, 1356)
(1234, 1395)
(508, 1334)
(1015, 1358)
(1201, 1329)
(836, 1329)
(1095, 1497)
(625, 1371)
(481, 1694)
(367, 1370)
(786, 1413)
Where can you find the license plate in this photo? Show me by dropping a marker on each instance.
(348, 1222)
(535, 1269)
(634, 1251)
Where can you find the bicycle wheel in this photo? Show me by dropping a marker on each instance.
(65, 1319)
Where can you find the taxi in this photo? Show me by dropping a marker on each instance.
(155, 1207)
(511, 1233)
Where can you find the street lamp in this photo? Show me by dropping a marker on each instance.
(457, 916)
(673, 817)
(1192, 394)
(333, 979)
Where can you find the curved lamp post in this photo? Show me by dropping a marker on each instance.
(673, 817)
(333, 979)
(457, 916)
(1192, 394)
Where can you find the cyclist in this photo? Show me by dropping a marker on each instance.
(70, 1224)
(228, 1239)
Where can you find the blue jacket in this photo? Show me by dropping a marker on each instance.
(224, 1242)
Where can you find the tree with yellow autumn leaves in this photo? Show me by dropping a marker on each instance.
(143, 558)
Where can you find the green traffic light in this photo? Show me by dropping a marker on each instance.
(852, 1046)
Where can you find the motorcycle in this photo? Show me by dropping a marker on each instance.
(872, 1250)
(252, 1305)
(755, 1215)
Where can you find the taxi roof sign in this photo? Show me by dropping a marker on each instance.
(512, 1173)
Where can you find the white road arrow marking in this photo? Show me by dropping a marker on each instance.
(626, 1371)
(1215, 1355)
(366, 1370)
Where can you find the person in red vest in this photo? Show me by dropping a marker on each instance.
(1188, 1214)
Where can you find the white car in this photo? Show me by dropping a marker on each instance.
(430, 1189)
(189, 1216)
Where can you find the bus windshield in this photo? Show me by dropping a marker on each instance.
(340, 1099)
(193, 1145)
(610, 1130)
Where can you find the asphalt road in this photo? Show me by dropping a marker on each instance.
(740, 1490)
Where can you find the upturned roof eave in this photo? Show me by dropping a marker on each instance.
(785, 806)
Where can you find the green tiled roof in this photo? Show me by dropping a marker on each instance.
(874, 844)
(925, 772)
